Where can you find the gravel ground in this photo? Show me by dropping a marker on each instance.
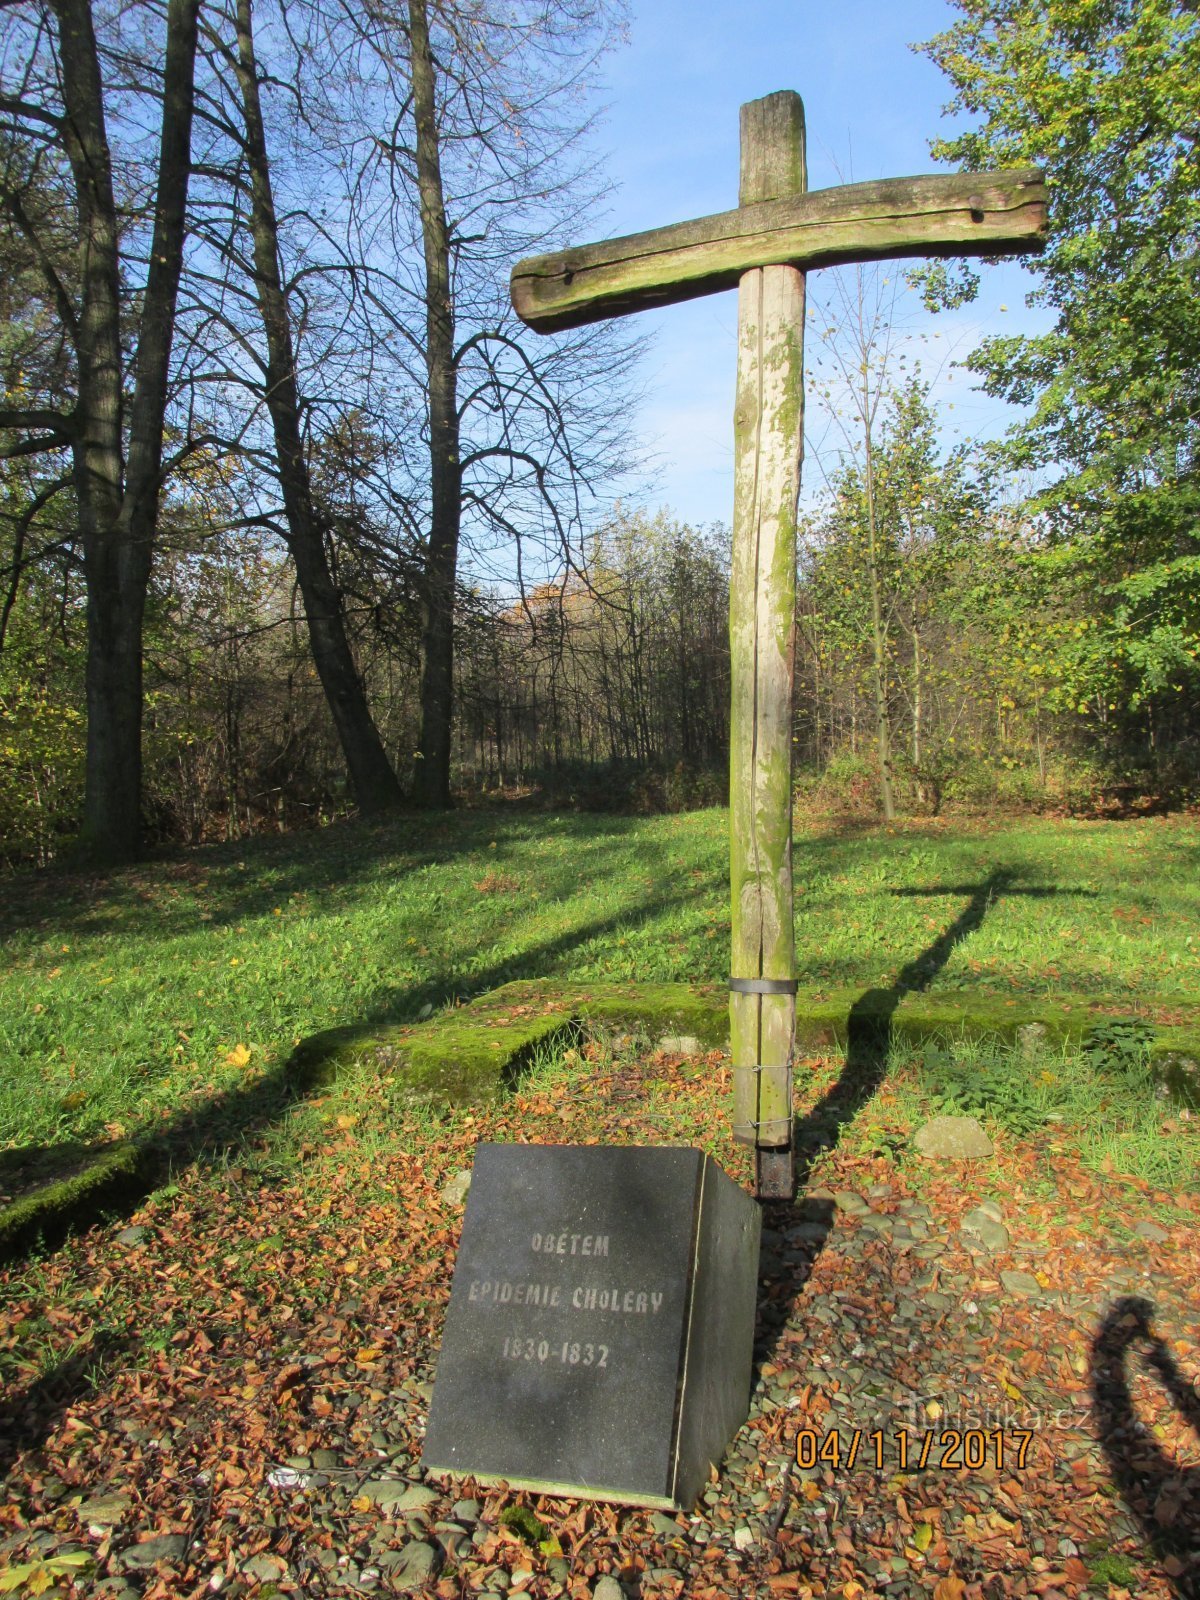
(957, 1393)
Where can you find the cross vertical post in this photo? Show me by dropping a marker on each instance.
(769, 429)
(777, 233)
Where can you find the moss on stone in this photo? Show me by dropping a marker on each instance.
(1175, 1063)
(473, 1053)
(51, 1208)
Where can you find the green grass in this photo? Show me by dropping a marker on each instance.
(1105, 1110)
(122, 1001)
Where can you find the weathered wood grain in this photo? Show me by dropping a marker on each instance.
(953, 214)
(768, 429)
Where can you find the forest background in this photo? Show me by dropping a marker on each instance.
(295, 518)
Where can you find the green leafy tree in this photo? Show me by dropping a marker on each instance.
(1106, 97)
(894, 563)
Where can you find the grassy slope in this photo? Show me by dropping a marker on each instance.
(120, 1001)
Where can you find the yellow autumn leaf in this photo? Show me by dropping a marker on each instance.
(922, 1536)
(239, 1056)
(361, 1503)
(346, 1121)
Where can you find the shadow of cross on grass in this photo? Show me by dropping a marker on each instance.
(868, 1047)
(869, 1025)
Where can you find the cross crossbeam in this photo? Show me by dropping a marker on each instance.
(947, 214)
(777, 233)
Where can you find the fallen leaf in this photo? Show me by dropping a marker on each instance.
(949, 1588)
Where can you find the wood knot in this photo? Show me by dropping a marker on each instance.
(976, 207)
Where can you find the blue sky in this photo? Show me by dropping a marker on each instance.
(670, 145)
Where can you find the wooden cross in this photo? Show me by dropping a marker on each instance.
(765, 247)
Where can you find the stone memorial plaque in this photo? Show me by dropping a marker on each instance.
(599, 1334)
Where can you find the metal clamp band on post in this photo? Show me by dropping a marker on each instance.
(763, 985)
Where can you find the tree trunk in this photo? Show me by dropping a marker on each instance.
(917, 716)
(118, 509)
(883, 732)
(431, 784)
(371, 776)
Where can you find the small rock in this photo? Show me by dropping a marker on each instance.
(452, 1538)
(1152, 1231)
(1031, 1036)
(287, 1478)
(852, 1204)
(952, 1139)
(133, 1235)
(165, 1547)
(1023, 1283)
(664, 1526)
(103, 1512)
(418, 1564)
(743, 1538)
(991, 1208)
(416, 1497)
(681, 1044)
(465, 1511)
(608, 1589)
(929, 1249)
(267, 1569)
(397, 1494)
(991, 1233)
(326, 1460)
(454, 1191)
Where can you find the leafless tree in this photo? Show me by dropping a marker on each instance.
(98, 399)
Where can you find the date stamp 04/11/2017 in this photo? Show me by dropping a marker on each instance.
(951, 1450)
